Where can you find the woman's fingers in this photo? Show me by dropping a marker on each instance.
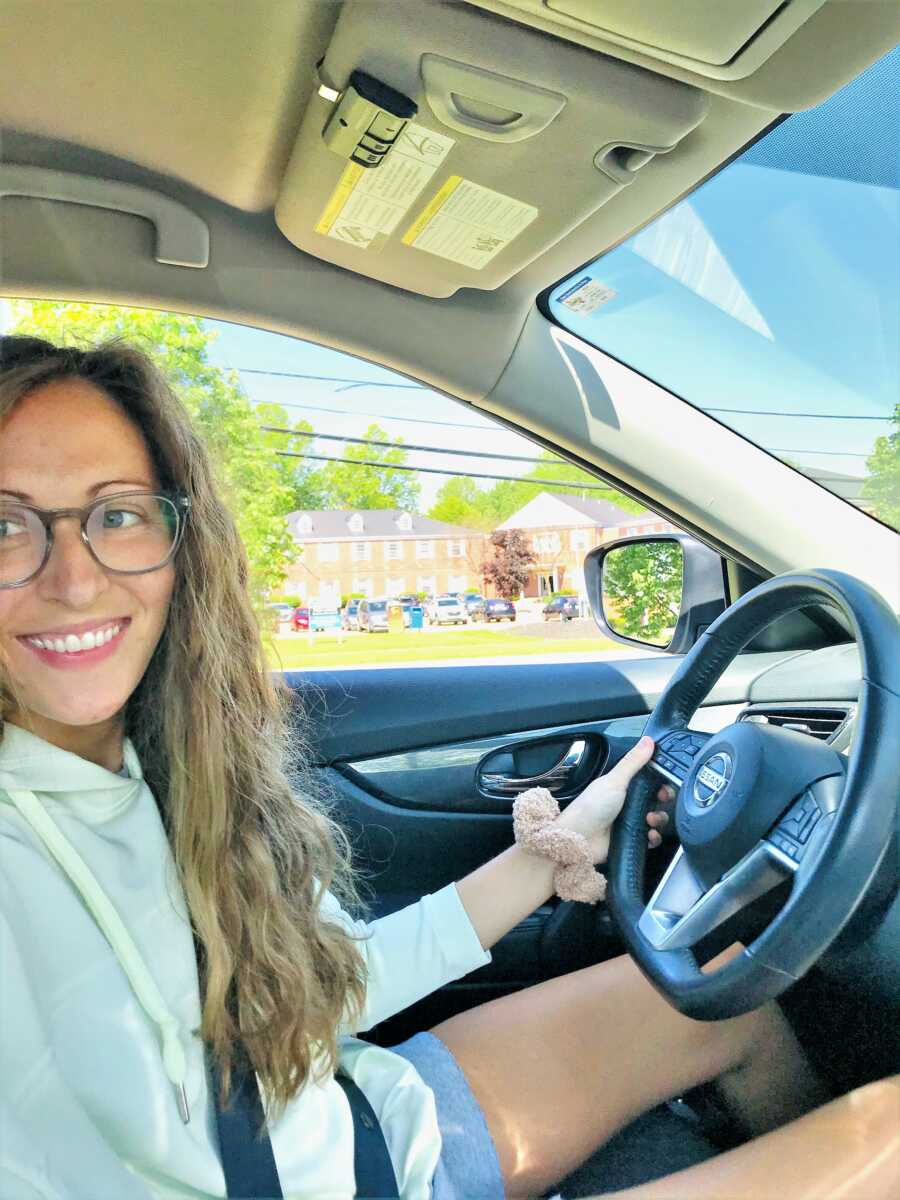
(659, 820)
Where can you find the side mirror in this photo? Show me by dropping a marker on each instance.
(659, 591)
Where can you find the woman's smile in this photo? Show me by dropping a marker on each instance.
(79, 646)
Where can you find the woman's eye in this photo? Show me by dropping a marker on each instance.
(10, 528)
(121, 518)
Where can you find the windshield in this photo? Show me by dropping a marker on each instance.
(769, 298)
(377, 606)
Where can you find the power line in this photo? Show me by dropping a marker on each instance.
(764, 412)
(418, 387)
(334, 437)
(835, 453)
(344, 412)
(567, 483)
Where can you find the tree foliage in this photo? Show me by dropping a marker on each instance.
(252, 479)
(345, 484)
(509, 565)
(462, 502)
(882, 486)
(642, 586)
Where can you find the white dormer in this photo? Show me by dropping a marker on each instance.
(304, 523)
(356, 523)
(404, 522)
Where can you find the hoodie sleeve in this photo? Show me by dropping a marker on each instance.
(411, 953)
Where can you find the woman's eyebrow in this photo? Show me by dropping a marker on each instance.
(26, 499)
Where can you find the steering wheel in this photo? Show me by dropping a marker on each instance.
(757, 806)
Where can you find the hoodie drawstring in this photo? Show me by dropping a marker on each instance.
(113, 929)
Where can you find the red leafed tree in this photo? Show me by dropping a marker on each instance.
(510, 563)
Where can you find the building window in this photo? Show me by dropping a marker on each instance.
(631, 530)
(361, 551)
(458, 583)
(327, 552)
(396, 586)
(362, 585)
(404, 522)
(393, 550)
(427, 584)
(579, 539)
(546, 543)
(456, 549)
(356, 523)
(424, 550)
(304, 523)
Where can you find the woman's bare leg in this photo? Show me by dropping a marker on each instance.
(848, 1149)
(560, 1067)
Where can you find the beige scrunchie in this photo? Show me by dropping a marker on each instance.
(534, 814)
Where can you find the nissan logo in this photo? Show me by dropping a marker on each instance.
(712, 779)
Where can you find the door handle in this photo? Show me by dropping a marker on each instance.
(556, 779)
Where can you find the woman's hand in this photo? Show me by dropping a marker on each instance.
(596, 808)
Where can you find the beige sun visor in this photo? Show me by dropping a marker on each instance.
(509, 147)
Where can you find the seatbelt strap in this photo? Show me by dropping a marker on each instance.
(244, 1144)
(372, 1166)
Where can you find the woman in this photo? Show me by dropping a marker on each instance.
(145, 808)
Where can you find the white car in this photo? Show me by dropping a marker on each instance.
(446, 610)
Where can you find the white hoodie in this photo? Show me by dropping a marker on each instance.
(99, 998)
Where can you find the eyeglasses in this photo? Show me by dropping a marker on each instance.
(129, 533)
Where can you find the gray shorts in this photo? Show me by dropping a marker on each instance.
(468, 1168)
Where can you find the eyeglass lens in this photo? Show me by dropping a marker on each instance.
(126, 533)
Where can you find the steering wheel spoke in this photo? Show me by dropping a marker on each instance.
(682, 911)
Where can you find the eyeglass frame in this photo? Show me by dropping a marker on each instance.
(48, 517)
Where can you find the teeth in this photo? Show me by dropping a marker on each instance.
(72, 644)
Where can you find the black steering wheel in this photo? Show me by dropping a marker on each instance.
(757, 806)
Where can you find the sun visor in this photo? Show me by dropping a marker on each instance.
(448, 149)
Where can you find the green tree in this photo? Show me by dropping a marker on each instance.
(250, 475)
(509, 566)
(462, 502)
(301, 476)
(882, 486)
(642, 585)
(345, 484)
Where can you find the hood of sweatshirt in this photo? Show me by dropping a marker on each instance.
(36, 778)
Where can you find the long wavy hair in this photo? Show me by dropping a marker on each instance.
(219, 743)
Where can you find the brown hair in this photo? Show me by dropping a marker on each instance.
(217, 738)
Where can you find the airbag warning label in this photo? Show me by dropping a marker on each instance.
(368, 203)
(468, 224)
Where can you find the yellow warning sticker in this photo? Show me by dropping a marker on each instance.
(468, 224)
(369, 202)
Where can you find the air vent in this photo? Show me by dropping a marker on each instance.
(821, 723)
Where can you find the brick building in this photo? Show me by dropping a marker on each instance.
(380, 552)
(562, 529)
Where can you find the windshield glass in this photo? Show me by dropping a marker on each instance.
(769, 298)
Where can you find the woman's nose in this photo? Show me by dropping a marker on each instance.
(72, 574)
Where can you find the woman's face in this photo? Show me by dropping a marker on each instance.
(63, 445)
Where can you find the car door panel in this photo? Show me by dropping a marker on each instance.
(400, 751)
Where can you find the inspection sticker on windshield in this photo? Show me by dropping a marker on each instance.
(586, 294)
(468, 223)
(368, 202)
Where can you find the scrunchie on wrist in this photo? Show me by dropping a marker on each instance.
(534, 817)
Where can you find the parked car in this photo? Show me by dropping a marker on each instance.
(499, 610)
(372, 616)
(474, 603)
(349, 615)
(558, 606)
(280, 613)
(571, 608)
(300, 619)
(446, 610)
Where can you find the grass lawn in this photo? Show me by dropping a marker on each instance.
(386, 649)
